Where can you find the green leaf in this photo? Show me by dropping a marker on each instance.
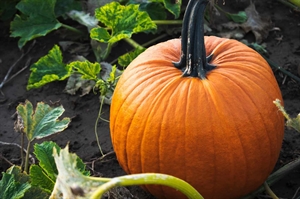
(174, 8)
(43, 121)
(70, 177)
(36, 192)
(19, 176)
(152, 6)
(122, 20)
(48, 68)
(40, 179)
(44, 174)
(37, 19)
(87, 69)
(7, 9)
(240, 17)
(155, 10)
(43, 153)
(22, 178)
(10, 188)
(64, 6)
(127, 58)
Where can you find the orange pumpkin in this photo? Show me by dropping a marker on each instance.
(214, 127)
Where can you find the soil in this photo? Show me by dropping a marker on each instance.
(283, 45)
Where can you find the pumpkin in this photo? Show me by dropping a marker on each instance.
(198, 108)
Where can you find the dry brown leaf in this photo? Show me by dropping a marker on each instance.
(259, 26)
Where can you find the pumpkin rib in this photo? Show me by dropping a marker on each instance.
(261, 116)
(212, 92)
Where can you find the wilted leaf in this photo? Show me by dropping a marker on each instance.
(48, 69)
(70, 182)
(75, 82)
(37, 19)
(43, 121)
(10, 188)
(291, 122)
(122, 20)
(256, 24)
(83, 18)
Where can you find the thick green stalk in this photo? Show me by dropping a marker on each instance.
(193, 58)
(149, 178)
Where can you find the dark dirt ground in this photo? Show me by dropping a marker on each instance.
(284, 49)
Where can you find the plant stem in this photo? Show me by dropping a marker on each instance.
(133, 43)
(296, 8)
(167, 22)
(149, 178)
(72, 29)
(269, 191)
(96, 127)
(22, 152)
(107, 51)
(26, 168)
(193, 58)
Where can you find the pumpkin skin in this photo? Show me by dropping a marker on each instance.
(222, 134)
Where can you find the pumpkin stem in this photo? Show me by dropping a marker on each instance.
(193, 60)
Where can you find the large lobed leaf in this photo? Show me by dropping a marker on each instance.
(37, 19)
(48, 68)
(10, 188)
(122, 20)
(43, 121)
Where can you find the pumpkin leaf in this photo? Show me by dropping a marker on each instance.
(48, 68)
(41, 122)
(37, 19)
(64, 6)
(155, 6)
(122, 20)
(7, 9)
(155, 10)
(240, 17)
(76, 82)
(10, 188)
(44, 174)
(70, 178)
(127, 58)
(87, 69)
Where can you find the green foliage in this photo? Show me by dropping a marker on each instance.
(37, 19)
(41, 122)
(48, 68)
(240, 17)
(10, 188)
(7, 9)
(127, 58)
(155, 5)
(44, 174)
(123, 21)
(87, 69)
